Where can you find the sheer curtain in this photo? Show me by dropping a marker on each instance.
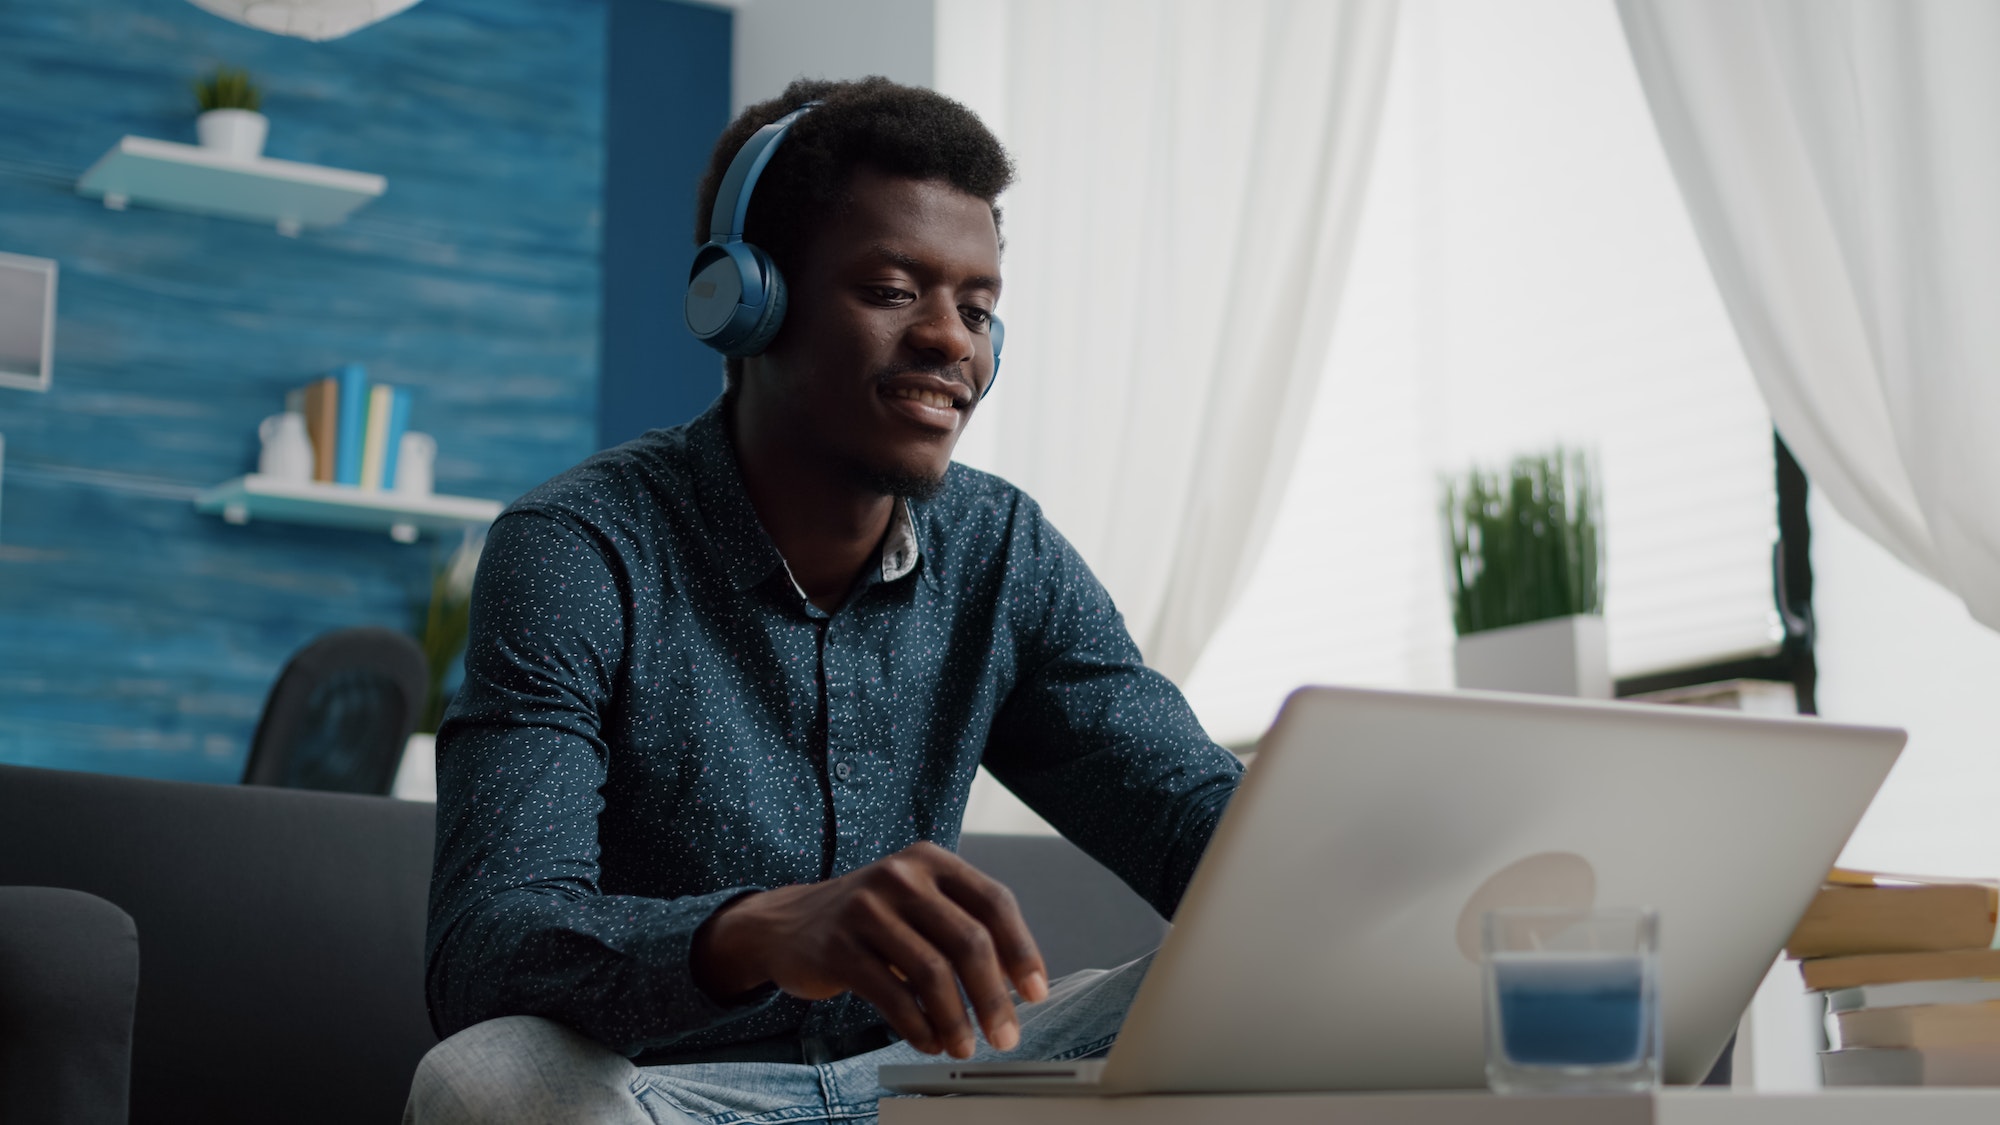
(1838, 158)
(1191, 176)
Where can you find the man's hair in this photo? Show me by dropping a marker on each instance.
(903, 131)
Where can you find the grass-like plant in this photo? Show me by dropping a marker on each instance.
(443, 622)
(227, 89)
(1525, 545)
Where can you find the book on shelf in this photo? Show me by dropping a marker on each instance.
(375, 435)
(1895, 918)
(1911, 1066)
(319, 401)
(1824, 974)
(351, 427)
(1905, 993)
(1920, 1025)
(399, 421)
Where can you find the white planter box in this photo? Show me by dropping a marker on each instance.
(1560, 656)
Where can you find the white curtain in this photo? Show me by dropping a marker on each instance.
(1191, 175)
(1841, 162)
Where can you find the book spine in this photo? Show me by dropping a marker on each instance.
(323, 424)
(374, 443)
(399, 420)
(352, 423)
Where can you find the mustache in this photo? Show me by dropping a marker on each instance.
(950, 372)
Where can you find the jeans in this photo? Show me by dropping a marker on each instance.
(523, 1069)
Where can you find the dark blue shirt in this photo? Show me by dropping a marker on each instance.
(655, 720)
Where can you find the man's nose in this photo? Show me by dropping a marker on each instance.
(940, 333)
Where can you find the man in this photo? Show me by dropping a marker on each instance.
(728, 685)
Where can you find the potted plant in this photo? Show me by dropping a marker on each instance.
(442, 621)
(229, 120)
(1527, 576)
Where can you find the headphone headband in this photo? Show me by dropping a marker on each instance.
(732, 198)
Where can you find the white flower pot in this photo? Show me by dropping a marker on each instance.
(416, 774)
(1560, 656)
(238, 132)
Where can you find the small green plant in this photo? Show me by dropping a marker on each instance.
(1525, 546)
(227, 89)
(442, 623)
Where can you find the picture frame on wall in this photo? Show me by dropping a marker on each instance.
(27, 321)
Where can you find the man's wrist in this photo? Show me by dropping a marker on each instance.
(722, 960)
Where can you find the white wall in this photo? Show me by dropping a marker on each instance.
(779, 40)
(1896, 649)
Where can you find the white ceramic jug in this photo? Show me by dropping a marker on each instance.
(416, 457)
(287, 452)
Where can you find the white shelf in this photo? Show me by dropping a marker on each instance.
(404, 517)
(180, 177)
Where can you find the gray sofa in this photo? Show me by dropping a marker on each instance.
(279, 943)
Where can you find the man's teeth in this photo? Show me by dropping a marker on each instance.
(928, 398)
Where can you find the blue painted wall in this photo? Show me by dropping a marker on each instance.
(136, 636)
(668, 76)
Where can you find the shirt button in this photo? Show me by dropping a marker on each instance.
(842, 770)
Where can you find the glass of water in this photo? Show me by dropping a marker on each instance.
(1572, 1000)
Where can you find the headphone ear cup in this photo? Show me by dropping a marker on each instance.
(998, 332)
(771, 316)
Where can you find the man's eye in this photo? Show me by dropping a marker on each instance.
(976, 316)
(889, 294)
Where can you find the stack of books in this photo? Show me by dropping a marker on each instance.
(1910, 978)
(355, 427)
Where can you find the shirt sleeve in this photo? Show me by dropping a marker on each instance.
(518, 922)
(1103, 747)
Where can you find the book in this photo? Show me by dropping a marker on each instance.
(1825, 974)
(1902, 994)
(1909, 1066)
(375, 434)
(322, 411)
(351, 425)
(1909, 918)
(399, 421)
(1921, 1025)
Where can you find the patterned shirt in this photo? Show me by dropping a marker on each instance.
(655, 720)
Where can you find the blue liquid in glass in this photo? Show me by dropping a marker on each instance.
(1574, 1009)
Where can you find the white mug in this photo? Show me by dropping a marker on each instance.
(287, 453)
(416, 457)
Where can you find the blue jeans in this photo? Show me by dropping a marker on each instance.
(526, 1069)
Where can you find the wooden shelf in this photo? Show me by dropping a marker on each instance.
(178, 177)
(404, 517)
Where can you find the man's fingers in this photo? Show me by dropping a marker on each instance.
(970, 946)
(931, 979)
(993, 905)
(875, 983)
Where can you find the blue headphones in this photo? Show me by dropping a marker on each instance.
(735, 295)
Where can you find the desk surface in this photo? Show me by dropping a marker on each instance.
(1668, 1107)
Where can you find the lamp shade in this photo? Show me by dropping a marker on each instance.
(305, 19)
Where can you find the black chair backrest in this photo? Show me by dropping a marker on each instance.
(340, 713)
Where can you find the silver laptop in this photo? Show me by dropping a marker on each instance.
(1329, 940)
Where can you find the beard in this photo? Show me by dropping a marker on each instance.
(902, 484)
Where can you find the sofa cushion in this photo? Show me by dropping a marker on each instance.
(281, 934)
(69, 973)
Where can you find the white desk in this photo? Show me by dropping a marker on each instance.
(1669, 1107)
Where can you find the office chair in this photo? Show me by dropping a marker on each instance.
(340, 713)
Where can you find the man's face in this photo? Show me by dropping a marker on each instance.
(885, 348)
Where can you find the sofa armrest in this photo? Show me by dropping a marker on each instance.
(69, 978)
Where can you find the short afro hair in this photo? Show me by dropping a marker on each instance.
(898, 130)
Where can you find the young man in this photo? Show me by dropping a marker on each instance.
(728, 685)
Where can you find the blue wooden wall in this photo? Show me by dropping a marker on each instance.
(136, 636)
(668, 76)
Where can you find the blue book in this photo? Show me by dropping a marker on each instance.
(351, 429)
(399, 420)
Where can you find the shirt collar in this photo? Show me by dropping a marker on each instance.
(743, 548)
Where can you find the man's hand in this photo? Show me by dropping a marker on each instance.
(903, 933)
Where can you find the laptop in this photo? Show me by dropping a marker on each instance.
(1330, 937)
